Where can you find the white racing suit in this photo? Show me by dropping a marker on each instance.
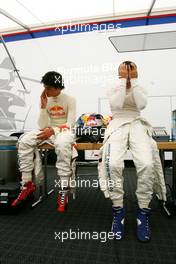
(130, 131)
(60, 110)
(64, 148)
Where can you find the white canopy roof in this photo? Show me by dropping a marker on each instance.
(39, 12)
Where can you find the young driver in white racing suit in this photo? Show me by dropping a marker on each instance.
(57, 116)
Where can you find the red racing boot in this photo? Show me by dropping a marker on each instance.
(62, 200)
(27, 191)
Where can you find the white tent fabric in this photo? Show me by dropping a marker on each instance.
(6, 22)
(32, 12)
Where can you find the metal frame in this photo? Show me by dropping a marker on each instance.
(151, 7)
(6, 14)
(10, 57)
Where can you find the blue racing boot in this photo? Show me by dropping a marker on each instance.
(118, 222)
(143, 228)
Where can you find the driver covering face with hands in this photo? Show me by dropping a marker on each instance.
(128, 130)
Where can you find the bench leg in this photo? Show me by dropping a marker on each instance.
(46, 175)
(174, 176)
(40, 197)
(170, 205)
(162, 157)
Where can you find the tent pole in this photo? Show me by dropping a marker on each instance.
(151, 7)
(10, 57)
(6, 14)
